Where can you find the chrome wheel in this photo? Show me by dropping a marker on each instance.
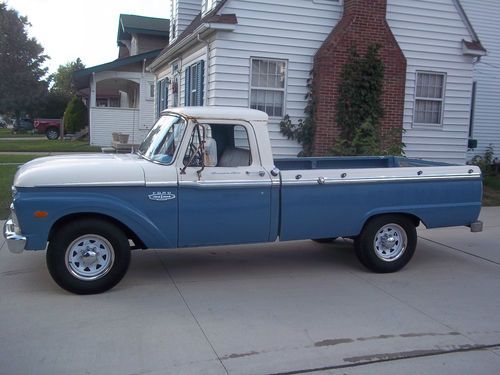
(390, 242)
(52, 134)
(89, 257)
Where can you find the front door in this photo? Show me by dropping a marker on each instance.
(227, 198)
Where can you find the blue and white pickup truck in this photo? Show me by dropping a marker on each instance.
(206, 176)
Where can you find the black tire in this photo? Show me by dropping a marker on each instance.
(71, 247)
(386, 243)
(52, 133)
(324, 240)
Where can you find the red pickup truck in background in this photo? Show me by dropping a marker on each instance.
(51, 127)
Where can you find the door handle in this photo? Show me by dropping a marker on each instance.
(259, 173)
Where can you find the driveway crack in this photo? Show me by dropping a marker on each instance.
(462, 251)
(191, 312)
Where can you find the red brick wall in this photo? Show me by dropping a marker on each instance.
(363, 23)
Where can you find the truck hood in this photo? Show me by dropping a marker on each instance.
(82, 170)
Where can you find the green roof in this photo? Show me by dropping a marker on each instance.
(81, 77)
(130, 23)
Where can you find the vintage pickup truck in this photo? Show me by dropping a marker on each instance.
(206, 176)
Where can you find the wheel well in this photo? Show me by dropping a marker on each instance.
(52, 127)
(73, 217)
(415, 219)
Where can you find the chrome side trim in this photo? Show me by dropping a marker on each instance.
(224, 184)
(161, 184)
(86, 184)
(15, 242)
(334, 181)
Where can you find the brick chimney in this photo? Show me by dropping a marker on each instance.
(363, 23)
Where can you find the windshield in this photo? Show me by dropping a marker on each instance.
(163, 140)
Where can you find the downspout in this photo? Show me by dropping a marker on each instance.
(208, 65)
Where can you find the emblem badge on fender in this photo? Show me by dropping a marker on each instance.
(161, 196)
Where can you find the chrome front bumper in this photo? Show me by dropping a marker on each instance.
(15, 242)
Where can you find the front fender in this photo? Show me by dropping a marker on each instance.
(153, 222)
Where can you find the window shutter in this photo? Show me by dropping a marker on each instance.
(200, 83)
(187, 86)
(158, 98)
(165, 100)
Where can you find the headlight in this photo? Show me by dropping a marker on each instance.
(14, 191)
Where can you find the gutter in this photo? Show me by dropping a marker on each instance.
(193, 37)
(207, 59)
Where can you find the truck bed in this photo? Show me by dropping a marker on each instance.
(352, 162)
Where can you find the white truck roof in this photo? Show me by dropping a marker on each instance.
(221, 113)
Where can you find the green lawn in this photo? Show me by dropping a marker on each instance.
(7, 173)
(44, 145)
(7, 133)
(491, 191)
(6, 176)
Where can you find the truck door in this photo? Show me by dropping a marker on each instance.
(224, 193)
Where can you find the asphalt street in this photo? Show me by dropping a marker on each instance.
(283, 308)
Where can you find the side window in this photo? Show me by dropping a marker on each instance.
(236, 151)
(202, 149)
(223, 146)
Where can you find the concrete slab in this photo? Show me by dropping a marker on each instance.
(259, 309)
(469, 363)
(142, 326)
(484, 244)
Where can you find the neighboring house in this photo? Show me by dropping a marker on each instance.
(120, 94)
(259, 54)
(485, 121)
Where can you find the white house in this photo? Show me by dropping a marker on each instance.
(485, 121)
(259, 54)
(120, 94)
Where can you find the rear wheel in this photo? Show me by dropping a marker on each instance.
(387, 243)
(88, 256)
(52, 133)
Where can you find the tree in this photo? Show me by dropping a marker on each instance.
(21, 58)
(75, 116)
(63, 78)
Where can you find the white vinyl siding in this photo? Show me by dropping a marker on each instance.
(282, 30)
(485, 17)
(135, 122)
(430, 34)
(181, 14)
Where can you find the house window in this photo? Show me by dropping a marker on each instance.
(151, 91)
(267, 86)
(101, 102)
(429, 98)
(194, 82)
(114, 102)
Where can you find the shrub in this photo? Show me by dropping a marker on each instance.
(75, 116)
(486, 162)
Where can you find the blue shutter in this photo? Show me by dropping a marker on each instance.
(187, 86)
(200, 75)
(158, 98)
(165, 98)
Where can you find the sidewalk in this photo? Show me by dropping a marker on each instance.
(284, 308)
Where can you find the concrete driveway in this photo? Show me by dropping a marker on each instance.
(287, 308)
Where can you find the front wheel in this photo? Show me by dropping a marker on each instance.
(88, 256)
(387, 243)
